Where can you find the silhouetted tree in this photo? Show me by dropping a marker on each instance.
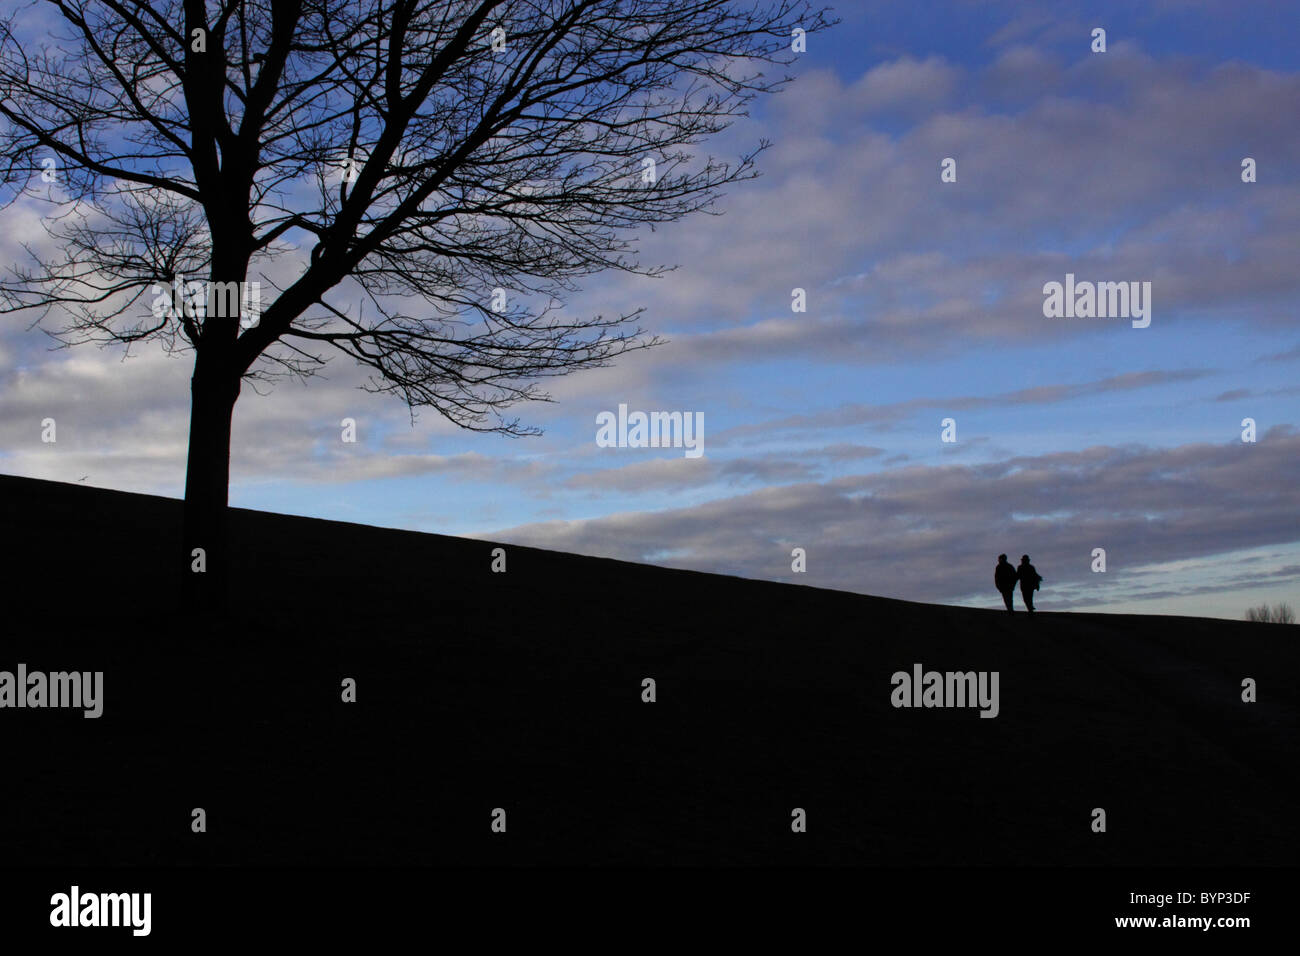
(1277, 614)
(420, 154)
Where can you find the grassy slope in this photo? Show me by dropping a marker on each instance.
(522, 690)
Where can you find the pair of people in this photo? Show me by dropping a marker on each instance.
(1005, 577)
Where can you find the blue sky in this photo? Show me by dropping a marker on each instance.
(822, 429)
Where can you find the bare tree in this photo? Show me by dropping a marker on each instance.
(419, 155)
(1281, 613)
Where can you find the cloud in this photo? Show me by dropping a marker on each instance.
(903, 84)
(929, 532)
(1290, 355)
(885, 415)
(846, 452)
(899, 266)
(669, 474)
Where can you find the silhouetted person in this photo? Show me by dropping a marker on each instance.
(1005, 580)
(1029, 581)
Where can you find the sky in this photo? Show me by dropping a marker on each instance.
(823, 429)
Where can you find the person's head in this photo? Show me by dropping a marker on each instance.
(1024, 559)
(1002, 559)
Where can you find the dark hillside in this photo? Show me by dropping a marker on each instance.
(522, 690)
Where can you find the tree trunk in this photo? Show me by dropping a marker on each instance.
(213, 391)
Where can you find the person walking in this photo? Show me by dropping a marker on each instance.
(1004, 578)
(1029, 580)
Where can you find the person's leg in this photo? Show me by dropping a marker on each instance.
(1029, 600)
(1008, 597)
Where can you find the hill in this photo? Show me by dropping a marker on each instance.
(523, 691)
